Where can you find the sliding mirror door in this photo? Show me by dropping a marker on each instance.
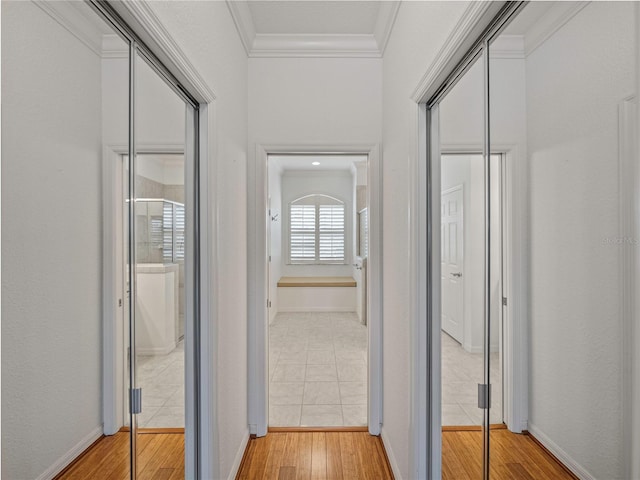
(543, 113)
(161, 239)
(562, 106)
(469, 324)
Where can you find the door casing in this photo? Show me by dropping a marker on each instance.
(258, 279)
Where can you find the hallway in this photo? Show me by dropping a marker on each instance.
(247, 108)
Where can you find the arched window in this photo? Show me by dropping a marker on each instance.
(316, 230)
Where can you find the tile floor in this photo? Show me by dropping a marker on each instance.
(317, 370)
(461, 373)
(162, 380)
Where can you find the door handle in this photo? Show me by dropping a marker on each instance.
(458, 274)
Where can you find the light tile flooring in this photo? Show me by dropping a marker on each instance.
(162, 380)
(461, 373)
(317, 370)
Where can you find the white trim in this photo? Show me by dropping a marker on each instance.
(552, 21)
(316, 309)
(156, 350)
(114, 47)
(419, 435)
(507, 47)
(209, 294)
(393, 463)
(71, 455)
(314, 46)
(387, 15)
(258, 281)
(316, 173)
(560, 454)
(113, 367)
(268, 45)
(237, 461)
(142, 19)
(471, 24)
(629, 187)
(634, 467)
(243, 20)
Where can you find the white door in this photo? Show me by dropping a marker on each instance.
(452, 236)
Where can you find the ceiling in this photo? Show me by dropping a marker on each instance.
(314, 17)
(327, 162)
(528, 18)
(312, 28)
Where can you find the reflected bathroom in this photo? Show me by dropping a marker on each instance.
(160, 274)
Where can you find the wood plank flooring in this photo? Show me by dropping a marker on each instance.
(315, 455)
(321, 455)
(160, 457)
(513, 457)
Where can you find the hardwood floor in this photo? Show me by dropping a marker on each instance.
(320, 455)
(160, 457)
(513, 457)
(315, 455)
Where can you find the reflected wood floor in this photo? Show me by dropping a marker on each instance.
(513, 457)
(160, 457)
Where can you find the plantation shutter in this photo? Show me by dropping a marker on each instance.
(331, 233)
(317, 230)
(179, 234)
(303, 232)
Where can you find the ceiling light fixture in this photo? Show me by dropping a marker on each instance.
(315, 163)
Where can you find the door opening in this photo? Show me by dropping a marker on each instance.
(317, 249)
(160, 289)
(463, 188)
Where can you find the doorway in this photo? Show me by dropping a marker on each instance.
(317, 239)
(259, 289)
(463, 190)
(160, 239)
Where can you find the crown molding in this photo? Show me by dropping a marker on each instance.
(114, 47)
(75, 22)
(243, 19)
(507, 47)
(140, 17)
(552, 21)
(474, 19)
(263, 45)
(309, 45)
(384, 24)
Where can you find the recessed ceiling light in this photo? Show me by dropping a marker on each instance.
(315, 163)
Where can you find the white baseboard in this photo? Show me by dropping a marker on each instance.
(560, 454)
(71, 455)
(392, 458)
(472, 349)
(239, 454)
(316, 309)
(155, 351)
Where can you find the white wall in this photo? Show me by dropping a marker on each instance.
(419, 32)
(575, 381)
(337, 184)
(51, 245)
(314, 101)
(275, 237)
(206, 33)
